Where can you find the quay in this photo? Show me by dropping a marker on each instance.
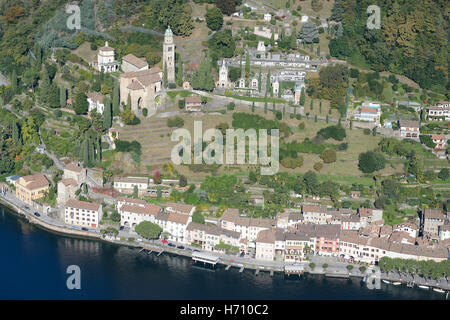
(338, 275)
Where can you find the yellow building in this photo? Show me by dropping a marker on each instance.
(31, 187)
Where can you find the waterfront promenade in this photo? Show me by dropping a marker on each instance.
(334, 268)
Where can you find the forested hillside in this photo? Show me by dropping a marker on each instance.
(413, 39)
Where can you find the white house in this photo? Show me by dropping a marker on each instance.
(265, 245)
(132, 215)
(95, 101)
(127, 184)
(267, 17)
(106, 61)
(444, 232)
(83, 214)
(174, 224)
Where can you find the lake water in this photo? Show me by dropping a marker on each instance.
(33, 266)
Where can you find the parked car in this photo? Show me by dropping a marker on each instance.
(180, 247)
(139, 240)
(188, 249)
(27, 208)
(121, 228)
(195, 250)
(171, 245)
(84, 229)
(37, 214)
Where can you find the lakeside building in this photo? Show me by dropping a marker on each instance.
(174, 224)
(433, 218)
(369, 250)
(106, 61)
(265, 245)
(82, 213)
(32, 187)
(131, 63)
(208, 237)
(132, 215)
(126, 184)
(409, 128)
(247, 227)
(298, 244)
(95, 101)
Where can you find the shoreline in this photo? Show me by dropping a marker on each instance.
(72, 233)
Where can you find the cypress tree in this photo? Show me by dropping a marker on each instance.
(253, 106)
(320, 107)
(85, 152)
(247, 64)
(129, 101)
(302, 97)
(14, 81)
(115, 102)
(326, 119)
(259, 80)
(265, 104)
(107, 114)
(311, 106)
(45, 85)
(62, 97)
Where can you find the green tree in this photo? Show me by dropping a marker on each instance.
(444, 174)
(81, 105)
(107, 114)
(214, 18)
(115, 99)
(371, 161)
(62, 97)
(247, 64)
(148, 230)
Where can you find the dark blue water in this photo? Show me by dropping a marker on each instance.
(33, 265)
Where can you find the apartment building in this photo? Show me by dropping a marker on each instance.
(132, 215)
(126, 184)
(31, 187)
(82, 213)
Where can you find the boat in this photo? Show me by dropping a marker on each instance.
(424, 287)
(439, 290)
(385, 281)
(396, 283)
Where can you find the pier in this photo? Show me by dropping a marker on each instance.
(256, 272)
(205, 258)
(241, 269)
(294, 269)
(228, 267)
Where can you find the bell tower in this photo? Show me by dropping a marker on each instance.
(169, 55)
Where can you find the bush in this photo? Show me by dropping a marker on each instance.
(231, 106)
(144, 112)
(279, 115)
(444, 174)
(301, 126)
(57, 113)
(328, 156)
(336, 132)
(367, 131)
(371, 161)
(318, 166)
